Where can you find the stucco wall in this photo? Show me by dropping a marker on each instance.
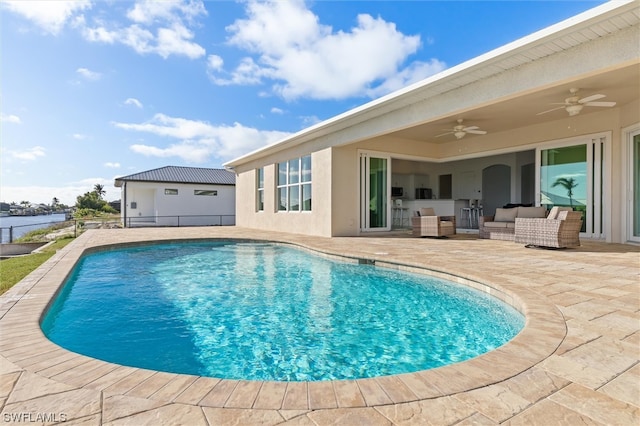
(315, 222)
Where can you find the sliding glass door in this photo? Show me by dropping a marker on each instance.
(570, 175)
(375, 181)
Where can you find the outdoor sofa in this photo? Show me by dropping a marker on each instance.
(560, 229)
(501, 226)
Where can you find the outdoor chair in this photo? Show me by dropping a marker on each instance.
(426, 224)
(560, 229)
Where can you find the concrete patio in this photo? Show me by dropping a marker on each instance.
(576, 361)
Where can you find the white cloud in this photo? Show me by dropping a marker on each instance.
(159, 27)
(303, 58)
(88, 74)
(214, 63)
(30, 154)
(134, 102)
(79, 136)
(278, 111)
(50, 15)
(112, 165)
(10, 118)
(175, 40)
(150, 11)
(199, 141)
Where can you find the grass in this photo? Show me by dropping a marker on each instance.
(16, 268)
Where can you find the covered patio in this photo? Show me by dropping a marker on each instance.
(576, 361)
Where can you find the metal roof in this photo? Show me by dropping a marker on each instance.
(177, 174)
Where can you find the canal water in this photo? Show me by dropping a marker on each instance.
(23, 224)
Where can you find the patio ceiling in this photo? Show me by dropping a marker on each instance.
(621, 86)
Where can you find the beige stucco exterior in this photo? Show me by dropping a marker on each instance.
(503, 101)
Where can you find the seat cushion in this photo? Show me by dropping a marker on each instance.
(505, 215)
(495, 224)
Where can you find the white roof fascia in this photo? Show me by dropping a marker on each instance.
(411, 93)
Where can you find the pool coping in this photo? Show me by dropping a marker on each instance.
(23, 344)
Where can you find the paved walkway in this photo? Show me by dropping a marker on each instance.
(576, 361)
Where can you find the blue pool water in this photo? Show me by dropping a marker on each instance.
(268, 312)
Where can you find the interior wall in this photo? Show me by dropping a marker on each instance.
(467, 174)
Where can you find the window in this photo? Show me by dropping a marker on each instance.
(294, 185)
(211, 193)
(260, 189)
(170, 191)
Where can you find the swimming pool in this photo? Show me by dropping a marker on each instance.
(268, 312)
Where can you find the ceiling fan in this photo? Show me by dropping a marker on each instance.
(574, 104)
(460, 130)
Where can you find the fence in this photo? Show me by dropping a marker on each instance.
(10, 233)
(181, 220)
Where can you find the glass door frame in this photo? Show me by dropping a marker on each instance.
(365, 189)
(598, 151)
(631, 190)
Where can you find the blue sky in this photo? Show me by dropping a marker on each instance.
(94, 90)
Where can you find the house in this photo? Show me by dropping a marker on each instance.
(178, 196)
(561, 105)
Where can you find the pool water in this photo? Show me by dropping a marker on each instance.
(259, 311)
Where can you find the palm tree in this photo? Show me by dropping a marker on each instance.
(99, 189)
(568, 184)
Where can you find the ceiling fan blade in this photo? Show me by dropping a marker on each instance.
(466, 129)
(601, 104)
(553, 109)
(591, 98)
(444, 134)
(476, 132)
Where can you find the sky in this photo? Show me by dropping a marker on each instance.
(95, 90)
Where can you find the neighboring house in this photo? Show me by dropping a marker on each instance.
(342, 177)
(178, 196)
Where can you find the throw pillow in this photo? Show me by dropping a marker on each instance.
(505, 215)
(427, 211)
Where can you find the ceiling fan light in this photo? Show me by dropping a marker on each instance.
(574, 109)
(459, 134)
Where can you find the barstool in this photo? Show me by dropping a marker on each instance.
(398, 213)
(465, 215)
(476, 213)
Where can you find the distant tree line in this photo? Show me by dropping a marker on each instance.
(92, 203)
(87, 205)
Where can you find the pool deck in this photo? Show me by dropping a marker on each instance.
(576, 361)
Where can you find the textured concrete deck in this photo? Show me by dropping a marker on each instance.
(576, 361)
